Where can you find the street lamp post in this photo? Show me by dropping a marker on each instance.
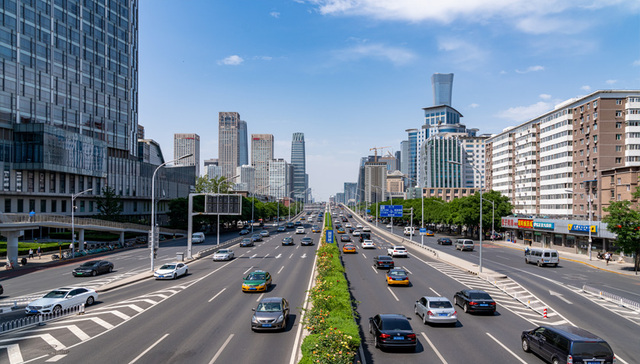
(252, 200)
(481, 180)
(218, 227)
(153, 205)
(73, 231)
(493, 217)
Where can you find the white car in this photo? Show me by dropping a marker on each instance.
(223, 254)
(359, 226)
(299, 230)
(61, 299)
(347, 225)
(368, 244)
(397, 251)
(197, 238)
(171, 271)
(438, 310)
(356, 233)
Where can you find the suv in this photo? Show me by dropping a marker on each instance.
(563, 343)
(397, 251)
(464, 244)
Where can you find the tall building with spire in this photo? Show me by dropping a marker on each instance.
(298, 160)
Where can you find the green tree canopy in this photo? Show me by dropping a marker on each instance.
(109, 205)
(624, 221)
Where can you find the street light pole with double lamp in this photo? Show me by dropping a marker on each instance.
(220, 182)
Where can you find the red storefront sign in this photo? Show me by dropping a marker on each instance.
(525, 224)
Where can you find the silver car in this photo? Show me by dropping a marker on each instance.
(223, 254)
(436, 310)
(464, 244)
(272, 313)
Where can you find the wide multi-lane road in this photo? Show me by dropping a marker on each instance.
(203, 317)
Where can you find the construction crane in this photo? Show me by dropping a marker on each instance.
(376, 152)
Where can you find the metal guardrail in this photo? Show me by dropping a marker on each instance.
(624, 302)
(39, 319)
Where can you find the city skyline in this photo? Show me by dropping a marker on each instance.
(357, 74)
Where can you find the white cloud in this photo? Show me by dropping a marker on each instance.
(611, 82)
(531, 69)
(231, 61)
(585, 88)
(524, 113)
(396, 55)
(275, 14)
(550, 24)
(545, 96)
(636, 62)
(474, 105)
(263, 58)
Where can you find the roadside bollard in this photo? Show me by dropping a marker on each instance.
(544, 313)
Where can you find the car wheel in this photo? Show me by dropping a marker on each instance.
(539, 263)
(424, 318)
(186, 271)
(110, 269)
(466, 308)
(377, 344)
(525, 346)
(526, 260)
(175, 276)
(56, 310)
(555, 265)
(90, 301)
(415, 309)
(94, 273)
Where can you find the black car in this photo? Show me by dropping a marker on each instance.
(392, 331)
(297, 223)
(444, 241)
(93, 268)
(383, 261)
(475, 300)
(290, 225)
(256, 237)
(345, 238)
(307, 241)
(246, 242)
(557, 343)
(365, 236)
(287, 240)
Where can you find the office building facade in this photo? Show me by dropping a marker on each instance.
(279, 178)
(298, 160)
(442, 84)
(184, 144)
(229, 130)
(247, 178)
(261, 156)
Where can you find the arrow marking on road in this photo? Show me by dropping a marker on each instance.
(560, 297)
(304, 255)
(278, 256)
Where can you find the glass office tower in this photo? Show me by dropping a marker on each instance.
(442, 84)
(298, 160)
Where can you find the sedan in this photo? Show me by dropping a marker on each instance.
(475, 300)
(356, 233)
(345, 238)
(223, 254)
(256, 237)
(281, 229)
(61, 299)
(256, 281)
(368, 244)
(244, 232)
(171, 271)
(397, 276)
(246, 242)
(264, 233)
(436, 310)
(392, 331)
(287, 240)
(444, 241)
(300, 230)
(349, 248)
(315, 229)
(272, 313)
(383, 261)
(93, 268)
(306, 241)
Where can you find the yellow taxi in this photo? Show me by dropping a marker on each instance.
(256, 281)
(349, 248)
(315, 229)
(397, 276)
(429, 233)
(340, 230)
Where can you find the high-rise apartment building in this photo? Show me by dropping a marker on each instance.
(229, 132)
(375, 182)
(184, 144)
(461, 148)
(442, 84)
(261, 156)
(298, 160)
(350, 189)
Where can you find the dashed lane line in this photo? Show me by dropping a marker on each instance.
(506, 348)
(217, 294)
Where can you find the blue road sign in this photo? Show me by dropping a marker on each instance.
(329, 236)
(391, 210)
(368, 211)
(423, 230)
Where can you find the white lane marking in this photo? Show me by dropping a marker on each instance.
(434, 291)
(278, 256)
(277, 247)
(506, 348)
(15, 355)
(215, 357)
(559, 295)
(280, 269)
(393, 294)
(148, 349)
(260, 297)
(253, 256)
(297, 246)
(304, 255)
(55, 358)
(291, 256)
(217, 294)
(266, 255)
(374, 269)
(247, 271)
(434, 348)
(405, 268)
(364, 256)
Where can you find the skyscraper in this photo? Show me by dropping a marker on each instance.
(442, 84)
(229, 131)
(184, 144)
(243, 146)
(298, 160)
(261, 156)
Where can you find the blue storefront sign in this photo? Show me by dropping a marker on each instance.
(543, 225)
(391, 210)
(329, 236)
(582, 228)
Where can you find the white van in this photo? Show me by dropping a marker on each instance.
(464, 244)
(409, 230)
(541, 256)
(197, 238)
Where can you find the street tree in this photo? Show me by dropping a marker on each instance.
(109, 205)
(624, 220)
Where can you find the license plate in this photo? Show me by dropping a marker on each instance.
(484, 304)
(593, 362)
(266, 325)
(398, 338)
(33, 311)
(443, 314)
(252, 288)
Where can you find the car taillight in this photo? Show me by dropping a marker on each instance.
(454, 313)
(473, 303)
(430, 313)
(384, 336)
(569, 359)
(492, 303)
(411, 336)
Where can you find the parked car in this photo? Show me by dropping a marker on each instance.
(197, 238)
(93, 268)
(61, 299)
(171, 271)
(246, 242)
(436, 310)
(383, 261)
(444, 241)
(397, 251)
(272, 313)
(306, 241)
(464, 244)
(223, 254)
(557, 344)
(475, 300)
(392, 331)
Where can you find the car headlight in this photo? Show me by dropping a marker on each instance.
(47, 306)
(280, 318)
(253, 319)
(262, 284)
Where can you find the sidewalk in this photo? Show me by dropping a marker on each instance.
(614, 266)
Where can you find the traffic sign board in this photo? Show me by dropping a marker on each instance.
(423, 230)
(391, 210)
(329, 236)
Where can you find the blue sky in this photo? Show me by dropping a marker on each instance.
(354, 74)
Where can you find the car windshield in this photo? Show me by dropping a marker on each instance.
(440, 304)
(269, 307)
(397, 273)
(89, 263)
(56, 294)
(479, 296)
(384, 258)
(246, 240)
(168, 266)
(256, 277)
(223, 251)
(395, 324)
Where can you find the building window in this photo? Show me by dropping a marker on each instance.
(618, 125)
(595, 149)
(595, 104)
(628, 187)
(581, 162)
(619, 197)
(619, 102)
(619, 180)
(581, 152)
(581, 108)
(618, 148)
(52, 182)
(63, 206)
(595, 138)
(618, 136)
(618, 113)
(43, 205)
(20, 205)
(618, 160)
(41, 180)
(7, 205)
(54, 205)
(19, 181)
